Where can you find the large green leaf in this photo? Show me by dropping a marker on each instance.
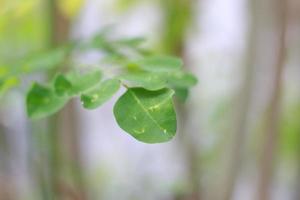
(160, 63)
(42, 101)
(148, 116)
(100, 94)
(147, 80)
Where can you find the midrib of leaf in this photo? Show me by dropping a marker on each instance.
(149, 115)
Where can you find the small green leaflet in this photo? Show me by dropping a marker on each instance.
(147, 80)
(160, 63)
(9, 76)
(131, 42)
(75, 83)
(100, 94)
(148, 116)
(82, 83)
(42, 101)
(62, 85)
(181, 94)
(179, 79)
(102, 42)
(44, 61)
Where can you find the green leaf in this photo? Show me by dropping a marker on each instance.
(180, 79)
(132, 42)
(100, 94)
(44, 61)
(147, 80)
(181, 94)
(102, 42)
(83, 82)
(160, 63)
(62, 85)
(8, 83)
(41, 102)
(148, 116)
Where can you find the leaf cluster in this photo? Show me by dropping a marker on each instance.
(145, 110)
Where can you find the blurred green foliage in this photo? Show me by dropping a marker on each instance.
(177, 18)
(290, 129)
(23, 28)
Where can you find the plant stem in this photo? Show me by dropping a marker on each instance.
(7, 190)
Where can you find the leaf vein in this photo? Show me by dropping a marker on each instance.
(147, 113)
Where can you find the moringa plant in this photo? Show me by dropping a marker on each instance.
(145, 111)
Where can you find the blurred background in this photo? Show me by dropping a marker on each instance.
(239, 130)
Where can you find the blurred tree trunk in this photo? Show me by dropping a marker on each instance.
(58, 33)
(270, 142)
(7, 190)
(70, 130)
(243, 104)
(64, 134)
(178, 18)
